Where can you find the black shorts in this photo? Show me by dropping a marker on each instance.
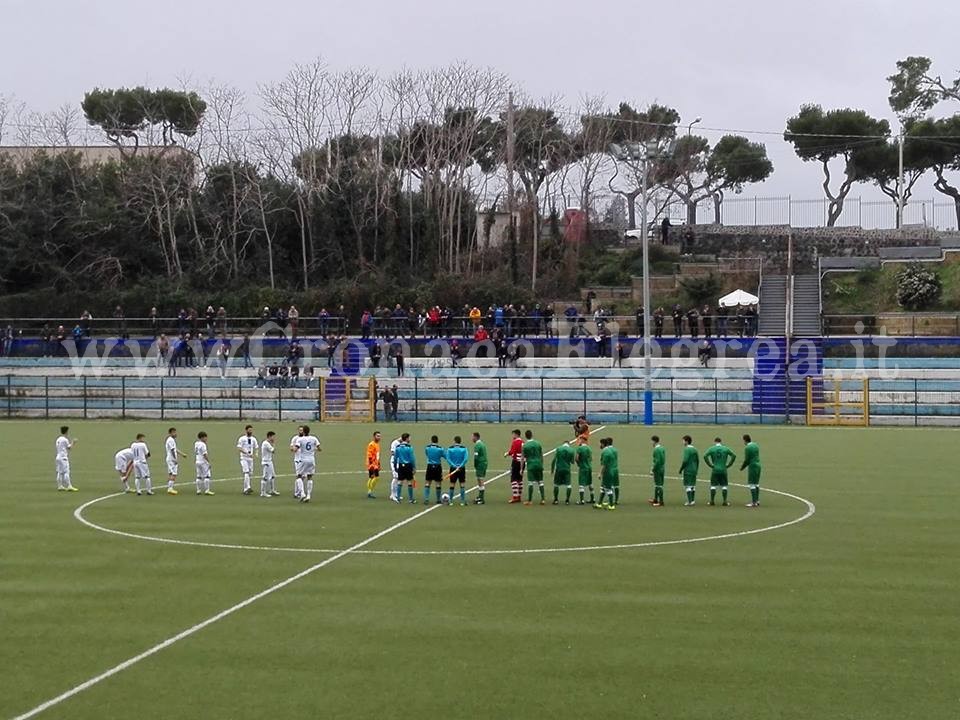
(405, 472)
(458, 475)
(516, 471)
(373, 473)
(434, 473)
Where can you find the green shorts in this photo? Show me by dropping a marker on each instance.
(718, 480)
(753, 475)
(535, 475)
(658, 476)
(481, 471)
(610, 480)
(585, 478)
(689, 480)
(561, 477)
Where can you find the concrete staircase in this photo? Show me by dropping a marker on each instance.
(806, 306)
(773, 305)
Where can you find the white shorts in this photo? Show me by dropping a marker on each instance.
(268, 471)
(246, 464)
(173, 467)
(141, 470)
(203, 471)
(307, 467)
(63, 465)
(120, 463)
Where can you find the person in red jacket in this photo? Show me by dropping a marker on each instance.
(481, 334)
(515, 453)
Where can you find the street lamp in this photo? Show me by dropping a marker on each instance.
(650, 151)
(690, 126)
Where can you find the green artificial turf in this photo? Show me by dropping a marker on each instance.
(850, 614)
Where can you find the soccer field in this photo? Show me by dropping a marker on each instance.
(500, 611)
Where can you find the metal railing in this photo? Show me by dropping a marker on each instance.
(894, 324)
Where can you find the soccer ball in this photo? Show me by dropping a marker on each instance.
(445, 498)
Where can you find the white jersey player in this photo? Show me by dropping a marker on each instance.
(309, 446)
(393, 470)
(297, 458)
(62, 460)
(202, 462)
(247, 446)
(123, 462)
(141, 470)
(268, 483)
(172, 456)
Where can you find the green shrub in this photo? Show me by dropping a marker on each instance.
(918, 287)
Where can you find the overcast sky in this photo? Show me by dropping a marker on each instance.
(744, 65)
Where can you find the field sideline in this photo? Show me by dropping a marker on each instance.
(848, 613)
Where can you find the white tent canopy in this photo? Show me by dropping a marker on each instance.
(739, 297)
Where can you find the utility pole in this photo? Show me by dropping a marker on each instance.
(900, 180)
(511, 200)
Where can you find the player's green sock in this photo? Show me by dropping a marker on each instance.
(569, 490)
(543, 493)
(755, 494)
(658, 494)
(592, 501)
(723, 493)
(713, 494)
(530, 492)
(616, 495)
(480, 494)
(556, 493)
(582, 491)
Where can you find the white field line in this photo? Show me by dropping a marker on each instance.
(116, 669)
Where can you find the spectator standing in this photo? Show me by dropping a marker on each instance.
(707, 321)
(692, 320)
(376, 353)
(46, 340)
(398, 357)
(721, 321)
(293, 318)
(640, 321)
(677, 321)
(366, 322)
(323, 321)
(163, 350)
(154, 322)
(182, 323)
(211, 317)
(121, 319)
(222, 319)
(86, 323)
(548, 321)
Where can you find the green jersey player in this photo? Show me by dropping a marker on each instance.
(563, 459)
(480, 466)
(719, 459)
(751, 463)
(584, 470)
(609, 475)
(689, 465)
(533, 460)
(658, 470)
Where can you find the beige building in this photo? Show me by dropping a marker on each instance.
(91, 154)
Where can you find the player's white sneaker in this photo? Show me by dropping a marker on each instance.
(395, 499)
(305, 499)
(273, 493)
(149, 492)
